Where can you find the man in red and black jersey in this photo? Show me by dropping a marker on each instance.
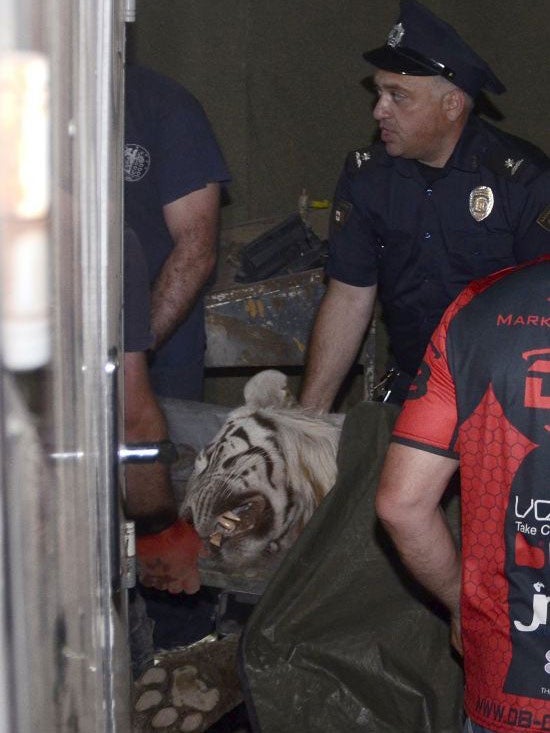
(481, 401)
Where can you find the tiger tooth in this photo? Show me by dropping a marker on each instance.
(216, 539)
(231, 515)
(226, 523)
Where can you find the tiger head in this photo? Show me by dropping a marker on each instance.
(257, 483)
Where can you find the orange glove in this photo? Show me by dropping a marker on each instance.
(168, 559)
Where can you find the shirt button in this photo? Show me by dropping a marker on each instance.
(427, 235)
(429, 192)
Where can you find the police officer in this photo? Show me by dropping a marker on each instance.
(443, 198)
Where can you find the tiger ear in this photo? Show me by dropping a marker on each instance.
(268, 388)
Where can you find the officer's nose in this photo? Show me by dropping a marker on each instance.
(381, 109)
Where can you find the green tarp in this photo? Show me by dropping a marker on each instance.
(342, 640)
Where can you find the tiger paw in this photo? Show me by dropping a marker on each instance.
(188, 690)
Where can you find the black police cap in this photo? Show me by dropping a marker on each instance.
(421, 44)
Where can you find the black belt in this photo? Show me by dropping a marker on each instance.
(393, 386)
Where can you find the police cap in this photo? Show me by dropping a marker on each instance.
(421, 44)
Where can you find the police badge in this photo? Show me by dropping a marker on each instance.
(481, 202)
(395, 35)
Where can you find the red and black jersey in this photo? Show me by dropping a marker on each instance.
(482, 394)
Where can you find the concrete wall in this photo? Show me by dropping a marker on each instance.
(283, 81)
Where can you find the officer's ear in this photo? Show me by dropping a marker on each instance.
(454, 104)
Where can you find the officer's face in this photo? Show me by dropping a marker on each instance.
(412, 117)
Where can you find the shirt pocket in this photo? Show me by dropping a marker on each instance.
(397, 258)
(475, 255)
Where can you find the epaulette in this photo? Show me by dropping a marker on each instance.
(359, 158)
(516, 159)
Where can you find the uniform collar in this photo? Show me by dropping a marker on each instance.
(466, 155)
(470, 147)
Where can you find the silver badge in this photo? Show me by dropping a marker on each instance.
(481, 202)
(396, 34)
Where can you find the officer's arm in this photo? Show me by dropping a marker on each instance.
(340, 325)
(193, 222)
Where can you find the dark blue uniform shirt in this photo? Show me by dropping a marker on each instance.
(422, 242)
(170, 151)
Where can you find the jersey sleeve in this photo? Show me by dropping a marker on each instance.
(188, 154)
(429, 418)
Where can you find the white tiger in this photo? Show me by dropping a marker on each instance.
(254, 487)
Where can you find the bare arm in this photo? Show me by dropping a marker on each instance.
(408, 504)
(344, 315)
(193, 222)
(150, 498)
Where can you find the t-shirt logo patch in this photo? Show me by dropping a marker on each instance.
(137, 162)
(341, 212)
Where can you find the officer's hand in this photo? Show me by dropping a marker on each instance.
(168, 559)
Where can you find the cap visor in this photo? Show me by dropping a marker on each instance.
(390, 59)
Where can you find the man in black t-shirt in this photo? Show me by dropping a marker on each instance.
(173, 173)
